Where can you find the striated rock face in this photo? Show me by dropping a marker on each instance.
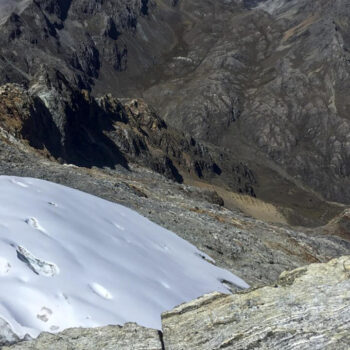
(130, 336)
(308, 308)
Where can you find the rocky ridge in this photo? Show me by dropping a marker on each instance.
(130, 336)
(69, 125)
(306, 308)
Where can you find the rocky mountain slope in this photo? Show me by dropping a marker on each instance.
(69, 125)
(254, 92)
(317, 296)
(273, 78)
(128, 137)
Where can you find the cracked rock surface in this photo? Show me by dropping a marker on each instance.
(130, 336)
(307, 308)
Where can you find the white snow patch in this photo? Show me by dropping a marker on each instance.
(99, 263)
(119, 227)
(273, 6)
(101, 291)
(181, 58)
(33, 222)
(19, 183)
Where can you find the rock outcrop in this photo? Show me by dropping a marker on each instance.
(130, 336)
(7, 336)
(71, 126)
(307, 308)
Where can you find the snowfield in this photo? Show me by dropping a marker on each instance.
(69, 259)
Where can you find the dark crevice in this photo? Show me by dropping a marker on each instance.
(161, 339)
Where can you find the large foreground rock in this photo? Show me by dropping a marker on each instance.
(131, 336)
(308, 308)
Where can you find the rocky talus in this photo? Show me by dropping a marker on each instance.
(307, 308)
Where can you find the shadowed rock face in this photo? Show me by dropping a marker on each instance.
(71, 126)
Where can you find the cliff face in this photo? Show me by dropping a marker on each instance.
(306, 308)
(79, 38)
(69, 125)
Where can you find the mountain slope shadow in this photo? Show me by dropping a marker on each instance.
(85, 143)
(61, 122)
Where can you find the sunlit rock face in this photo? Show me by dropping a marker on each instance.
(306, 308)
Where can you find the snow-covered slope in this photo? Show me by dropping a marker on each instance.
(71, 259)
